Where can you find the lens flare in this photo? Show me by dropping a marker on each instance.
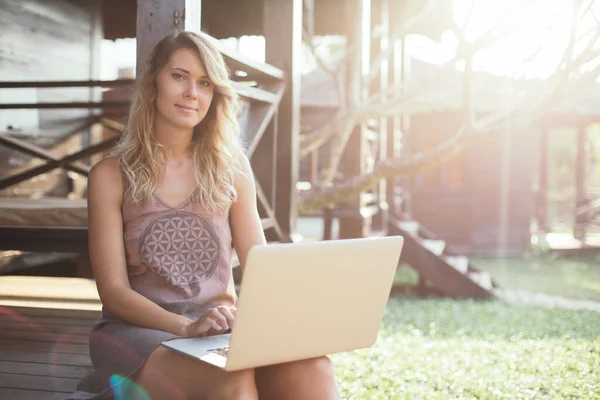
(124, 389)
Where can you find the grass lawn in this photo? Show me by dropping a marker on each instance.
(445, 349)
(569, 278)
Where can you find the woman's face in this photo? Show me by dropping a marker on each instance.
(183, 91)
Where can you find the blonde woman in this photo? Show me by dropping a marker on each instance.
(163, 213)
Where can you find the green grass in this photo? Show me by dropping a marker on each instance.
(569, 278)
(444, 349)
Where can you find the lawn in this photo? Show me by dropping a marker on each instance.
(444, 349)
(569, 278)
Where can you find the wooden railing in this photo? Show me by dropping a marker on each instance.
(260, 87)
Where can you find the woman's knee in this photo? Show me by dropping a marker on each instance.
(320, 367)
(239, 385)
(169, 375)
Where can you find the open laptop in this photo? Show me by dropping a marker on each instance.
(304, 300)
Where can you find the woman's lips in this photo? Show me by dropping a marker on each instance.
(186, 108)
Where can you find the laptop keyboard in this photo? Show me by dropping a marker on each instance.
(223, 351)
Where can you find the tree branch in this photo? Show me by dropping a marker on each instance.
(327, 195)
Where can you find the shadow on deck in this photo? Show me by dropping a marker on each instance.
(44, 327)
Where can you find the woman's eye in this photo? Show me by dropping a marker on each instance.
(205, 83)
(178, 77)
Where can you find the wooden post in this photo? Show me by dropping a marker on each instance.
(542, 195)
(96, 35)
(402, 67)
(158, 18)
(579, 229)
(283, 37)
(352, 223)
(382, 217)
(308, 17)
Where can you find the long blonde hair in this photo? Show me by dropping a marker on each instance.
(216, 144)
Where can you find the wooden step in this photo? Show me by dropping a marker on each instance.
(461, 263)
(435, 246)
(483, 279)
(252, 93)
(50, 293)
(411, 227)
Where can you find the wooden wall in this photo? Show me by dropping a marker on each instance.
(45, 40)
(481, 201)
(312, 118)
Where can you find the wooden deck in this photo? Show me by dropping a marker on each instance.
(567, 245)
(44, 327)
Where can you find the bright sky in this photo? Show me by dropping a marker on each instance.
(537, 33)
(538, 28)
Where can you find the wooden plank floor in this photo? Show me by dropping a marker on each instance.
(44, 327)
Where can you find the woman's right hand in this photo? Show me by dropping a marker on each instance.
(214, 321)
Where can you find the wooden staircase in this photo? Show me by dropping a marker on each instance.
(450, 274)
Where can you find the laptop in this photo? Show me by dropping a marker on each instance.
(303, 300)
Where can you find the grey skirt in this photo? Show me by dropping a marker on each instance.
(117, 349)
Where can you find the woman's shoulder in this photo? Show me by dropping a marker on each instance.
(107, 174)
(106, 167)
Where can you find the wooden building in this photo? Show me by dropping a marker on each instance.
(484, 201)
(44, 356)
(481, 202)
(45, 41)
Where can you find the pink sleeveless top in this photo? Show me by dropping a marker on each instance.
(179, 257)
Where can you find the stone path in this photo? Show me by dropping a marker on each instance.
(545, 300)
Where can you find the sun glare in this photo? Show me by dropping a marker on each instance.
(532, 35)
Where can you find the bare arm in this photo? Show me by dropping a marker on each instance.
(246, 228)
(107, 254)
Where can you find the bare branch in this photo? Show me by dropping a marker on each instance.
(315, 139)
(337, 150)
(402, 27)
(325, 196)
(309, 40)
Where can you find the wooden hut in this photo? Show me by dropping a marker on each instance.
(44, 357)
(45, 41)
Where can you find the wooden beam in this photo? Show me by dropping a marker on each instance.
(66, 84)
(263, 155)
(44, 238)
(35, 151)
(579, 230)
(283, 34)
(255, 94)
(236, 61)
(308, 17)
(159, 18)
(400, 144)
(382, 17)
(262, 199)
(69, 105)
(542, 194)
(259, 127)
(60, 163)
(354, 224)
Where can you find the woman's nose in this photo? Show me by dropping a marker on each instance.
(192, 90)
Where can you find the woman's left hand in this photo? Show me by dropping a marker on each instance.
(229, 314)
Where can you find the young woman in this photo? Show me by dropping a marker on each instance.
(163, 213)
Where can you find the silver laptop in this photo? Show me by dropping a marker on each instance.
(304, 300)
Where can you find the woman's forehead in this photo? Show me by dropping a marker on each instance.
(187, 60)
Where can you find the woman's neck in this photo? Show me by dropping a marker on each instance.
(176, 143)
